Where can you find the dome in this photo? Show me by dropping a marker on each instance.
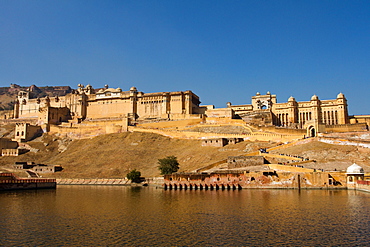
(291, 98)
(314, 97)
(355, 169)
(340, 96)
(257, 94)
(133, 89)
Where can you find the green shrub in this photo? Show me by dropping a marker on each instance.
(134, 176)
(168, 165)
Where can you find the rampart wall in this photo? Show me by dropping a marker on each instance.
(171, 124)
(283, 130)
(202, 135)
(88, 129)
(346, 127)
(289, 168)
(87, 181)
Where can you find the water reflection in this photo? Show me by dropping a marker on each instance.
(113, 215)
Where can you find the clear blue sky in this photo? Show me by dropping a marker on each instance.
(221, 50)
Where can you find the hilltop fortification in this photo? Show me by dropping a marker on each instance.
(112, 110)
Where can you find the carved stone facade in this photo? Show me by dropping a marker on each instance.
(86, 103)
(265, 110)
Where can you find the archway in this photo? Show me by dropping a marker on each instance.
(311, 131)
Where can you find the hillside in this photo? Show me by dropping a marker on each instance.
(329, 156)
(113, 155)
(9, 94)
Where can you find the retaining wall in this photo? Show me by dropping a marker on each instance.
(87, 181)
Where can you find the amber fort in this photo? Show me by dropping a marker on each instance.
(87, 112)
(119, 110)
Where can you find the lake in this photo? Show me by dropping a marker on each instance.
(147, 216)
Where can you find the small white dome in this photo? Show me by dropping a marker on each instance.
(133, 89)
(291, 98)
(314, 97)
(355, 169)
(340, 96)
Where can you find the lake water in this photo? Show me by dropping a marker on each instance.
(142, 216)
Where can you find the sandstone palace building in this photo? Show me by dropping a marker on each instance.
(292, 114)
(88, 104)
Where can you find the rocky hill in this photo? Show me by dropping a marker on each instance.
(9, 94)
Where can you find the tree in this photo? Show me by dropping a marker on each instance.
(168, 165)
(134, 176)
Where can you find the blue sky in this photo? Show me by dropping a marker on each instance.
(221, 50)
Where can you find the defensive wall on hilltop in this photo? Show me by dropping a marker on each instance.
(88, 129)
(346, 127)
(202, 135)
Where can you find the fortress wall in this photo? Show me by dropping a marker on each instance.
(289, 168)
(213, 120)
(102, 122)
(186, 116)
(284, 130)
(220, 113)
(172, 124)
(202, 135)
(283, 158)
(93, 128)
(108, 108)
(96, 181)
(80, 132)
(346, 127)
